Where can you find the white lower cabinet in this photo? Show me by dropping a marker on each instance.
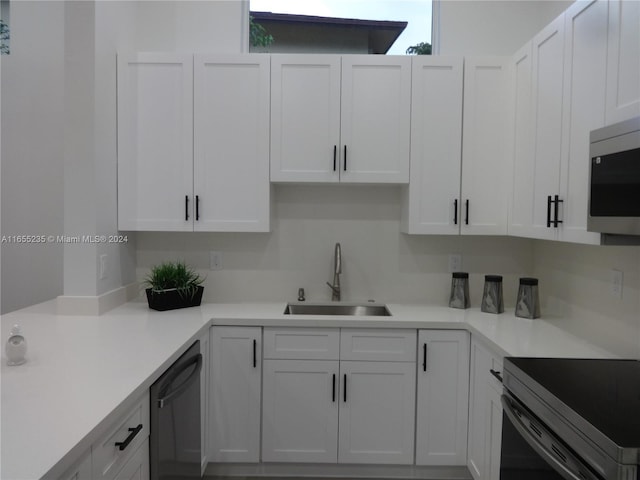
(317, 408)
(137, 468)
(81, 470)
(377, 412)
(485, 414)
(443, 397)
(122, 452)
(300, 411)
(234, 403)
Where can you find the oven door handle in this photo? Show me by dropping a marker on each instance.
(193, 376)
(541, 449)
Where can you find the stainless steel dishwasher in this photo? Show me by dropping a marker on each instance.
(174, 444)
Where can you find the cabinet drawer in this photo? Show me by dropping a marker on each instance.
(302, 343)
(108, 459)
(385, 345)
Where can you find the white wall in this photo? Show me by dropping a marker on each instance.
(575, 285)
(59, 164)
(379, 262)
(33, 152)
(490, 27)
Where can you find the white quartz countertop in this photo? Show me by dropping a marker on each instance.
(82, 372)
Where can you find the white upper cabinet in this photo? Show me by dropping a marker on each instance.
(155, 142)
(375, 118)
(548, 65)
(483, 206)
(521, 211)
(340, 118)
(161, 184)
(431, 199)
(583, 110)
(623, 61)
(305, 118)
(551, 144)
(231, 143)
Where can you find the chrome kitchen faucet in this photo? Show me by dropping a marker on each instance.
(337, 270)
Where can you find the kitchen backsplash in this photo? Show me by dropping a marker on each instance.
(575, 286)
(379, 262)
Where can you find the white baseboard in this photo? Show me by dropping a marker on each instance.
(284, 470)
(90, 305)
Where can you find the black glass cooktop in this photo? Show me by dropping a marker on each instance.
(605, 393)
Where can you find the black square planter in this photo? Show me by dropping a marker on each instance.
(171, 299)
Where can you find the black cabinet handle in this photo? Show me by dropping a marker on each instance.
(333, 389)
(255, 358)
(496, 374)
(132, 434)
(344, 394)
(556, 201)
(455, 211)
(424, 357)
(197, 208)
(466, 217)
(186, 207)
(549, 211)
(345, 159)
(335, 156)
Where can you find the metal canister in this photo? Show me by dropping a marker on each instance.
(528, 302)
(492, 301)
(459, 297)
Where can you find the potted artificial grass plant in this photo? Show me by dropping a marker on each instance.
(173, 285)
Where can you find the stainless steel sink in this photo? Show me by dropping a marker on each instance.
(337, 309)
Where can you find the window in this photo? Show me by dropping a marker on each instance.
(340, 26)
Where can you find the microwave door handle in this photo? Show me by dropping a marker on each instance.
(197, 360)
(546, 455)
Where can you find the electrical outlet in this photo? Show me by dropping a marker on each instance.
(103, 266)
(616, 283)
(455, 263)
(215, 260)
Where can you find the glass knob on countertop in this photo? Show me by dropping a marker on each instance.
(16, 347)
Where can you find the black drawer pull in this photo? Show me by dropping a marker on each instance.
(556, 201)
(333, 389)
(455, 211)
(255, 357)
(345, 158)
(549, 211)
(345, 388)
(130, 437)
(335, 154)
(466, 218)
(186, 207)
(424, 359)
(197, 208)
(496, 374)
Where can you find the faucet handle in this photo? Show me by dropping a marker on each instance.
(301, 294)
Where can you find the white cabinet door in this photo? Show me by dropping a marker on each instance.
(377, 412)
(521, 208)
(583, 110)
(623, 61)
(234, 408)
(305, 118)
(155, 142)
(231, 143)
(432, 199)
(137, 468)
(300, 411)
(81, 471)
(485, 414)
(548, 68)
(443, 397)
(484, 162)
(375, 119)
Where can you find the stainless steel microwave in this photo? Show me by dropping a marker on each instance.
(614, 179)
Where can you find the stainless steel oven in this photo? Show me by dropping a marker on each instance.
(573, 419)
